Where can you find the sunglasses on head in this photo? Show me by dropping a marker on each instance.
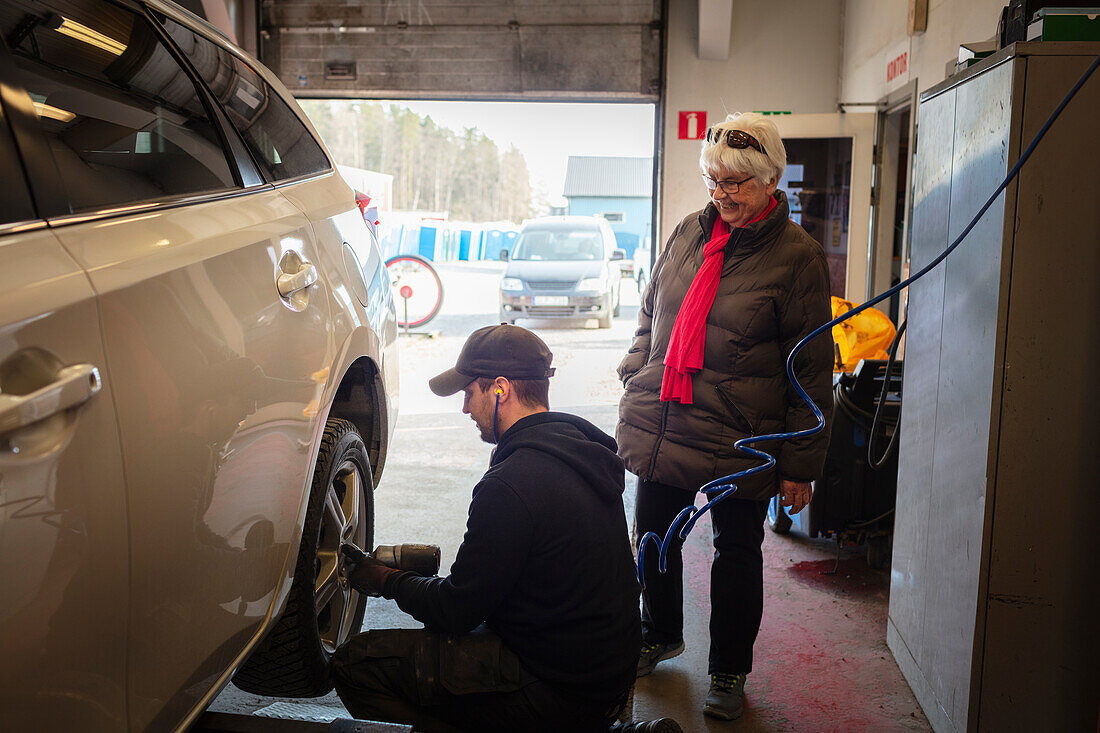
(735, 139)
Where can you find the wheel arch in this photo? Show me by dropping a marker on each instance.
(361, 400)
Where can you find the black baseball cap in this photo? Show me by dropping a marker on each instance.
(496, 351)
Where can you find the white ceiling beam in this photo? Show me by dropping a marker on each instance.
(715, 17)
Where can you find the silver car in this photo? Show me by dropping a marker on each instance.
(562, 267)
(198, 374)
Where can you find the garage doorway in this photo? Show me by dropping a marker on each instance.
(895, 143)
(476, 169)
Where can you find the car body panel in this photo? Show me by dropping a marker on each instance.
(189, 472)
(199, 340)
(363, 318)
(642, 265)
(63, 516)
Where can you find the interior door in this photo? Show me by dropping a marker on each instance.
(828, 184)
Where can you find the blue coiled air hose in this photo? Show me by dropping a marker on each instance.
(720, 489)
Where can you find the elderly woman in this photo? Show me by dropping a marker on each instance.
(736, 287)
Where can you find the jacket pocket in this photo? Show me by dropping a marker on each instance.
(735, 412)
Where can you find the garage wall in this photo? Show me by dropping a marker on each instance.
(875, 30)
(801, 56)
(454, 49)
(783, 56)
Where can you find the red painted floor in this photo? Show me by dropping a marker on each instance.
(821, 661)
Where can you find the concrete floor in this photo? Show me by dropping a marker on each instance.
(821, 658)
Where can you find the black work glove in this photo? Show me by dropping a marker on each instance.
(365, 574)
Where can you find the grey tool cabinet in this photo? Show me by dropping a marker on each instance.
(993, 597)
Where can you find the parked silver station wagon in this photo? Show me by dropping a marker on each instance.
(198, 373)
(562, 267)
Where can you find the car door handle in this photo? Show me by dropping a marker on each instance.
(289, 284)
(74, 386)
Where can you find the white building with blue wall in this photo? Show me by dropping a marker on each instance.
(617, 188)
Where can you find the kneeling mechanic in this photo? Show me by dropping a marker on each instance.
(536, 627)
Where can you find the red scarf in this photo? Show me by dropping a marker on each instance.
(684, 355)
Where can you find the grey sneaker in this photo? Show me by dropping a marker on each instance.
(726, 699)
(653, 653)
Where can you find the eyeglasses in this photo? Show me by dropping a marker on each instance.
(728, 187)
(735, 139)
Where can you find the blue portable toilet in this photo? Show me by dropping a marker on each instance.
(464, 244)
(393, 243)
(448, 248)
(494, 243)
(426, 246)
(407, 239)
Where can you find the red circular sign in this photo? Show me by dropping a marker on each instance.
(406, 292)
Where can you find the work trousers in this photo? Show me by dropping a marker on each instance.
(452, 682)
(736, 575)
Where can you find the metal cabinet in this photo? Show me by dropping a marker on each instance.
(993, 583)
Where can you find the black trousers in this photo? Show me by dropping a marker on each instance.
(449, 682)
(736, 575)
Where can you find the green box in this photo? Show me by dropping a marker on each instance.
(1065, 24)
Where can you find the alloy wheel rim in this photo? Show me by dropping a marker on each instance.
(334, 599)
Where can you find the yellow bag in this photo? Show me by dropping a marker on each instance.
(866, 335)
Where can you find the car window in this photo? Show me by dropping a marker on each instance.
(279, 141)
(558, 244)
(15, 199)
(124, 121)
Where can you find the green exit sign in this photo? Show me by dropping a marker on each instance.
(772, 111)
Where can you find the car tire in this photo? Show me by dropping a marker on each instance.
(293, 660)
(604, 321)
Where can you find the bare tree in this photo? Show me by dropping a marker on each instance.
(464, 174)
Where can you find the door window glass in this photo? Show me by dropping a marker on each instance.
(818, 182)
(15, 200)
(124, 121)
(278, 140)
(559, 244)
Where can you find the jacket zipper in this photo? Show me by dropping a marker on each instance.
(657, 445)
(730, 403)
(664, 410)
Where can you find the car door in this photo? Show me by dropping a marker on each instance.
(215, 326)
(63, 558)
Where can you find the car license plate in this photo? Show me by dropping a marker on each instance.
(550, 300)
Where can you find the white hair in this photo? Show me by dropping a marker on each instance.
(719, 158)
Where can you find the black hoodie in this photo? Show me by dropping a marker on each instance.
(546, 560)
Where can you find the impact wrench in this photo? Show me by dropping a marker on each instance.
(419, 559)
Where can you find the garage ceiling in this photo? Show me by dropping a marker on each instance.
(465, 49)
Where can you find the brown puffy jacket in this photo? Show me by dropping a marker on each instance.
(774, 290)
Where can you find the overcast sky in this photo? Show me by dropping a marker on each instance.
(548, 133)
